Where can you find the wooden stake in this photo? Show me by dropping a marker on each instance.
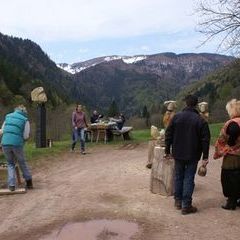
(8, 192)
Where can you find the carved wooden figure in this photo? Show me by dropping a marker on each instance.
(170, 112)
(203, 110)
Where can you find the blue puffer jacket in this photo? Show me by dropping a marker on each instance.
(13, 128)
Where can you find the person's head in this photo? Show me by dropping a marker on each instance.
(233, 108)
(21, 108)
(170, 105)
(79, 108)
(95, 112)
(191, 100)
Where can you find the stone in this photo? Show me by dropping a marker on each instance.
(38, 95)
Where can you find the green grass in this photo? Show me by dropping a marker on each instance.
(215, 130)
(144, 135)
(141, 135)
(58, 147)
(33, 153)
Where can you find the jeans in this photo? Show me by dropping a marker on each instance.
(79, 134)
(184, 181)
(13, 154)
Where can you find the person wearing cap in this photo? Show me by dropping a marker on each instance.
(15, 130)
(187, 138)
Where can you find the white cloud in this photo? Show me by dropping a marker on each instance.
(85, 20)
(83, 50)
(145, 48)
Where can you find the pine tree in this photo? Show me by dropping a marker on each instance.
(146, 115)
(113, 109)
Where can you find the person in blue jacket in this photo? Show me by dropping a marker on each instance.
(15, 130)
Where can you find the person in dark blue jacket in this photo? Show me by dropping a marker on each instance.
(15, 130)
(95, 118)
(189, 137)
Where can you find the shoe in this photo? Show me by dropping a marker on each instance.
(83, 152)
(29, 184)
(230, 205)
(238, 203)
(72, 150)
(189, 210)
(149, 165)
(178, 204)
(11, 188)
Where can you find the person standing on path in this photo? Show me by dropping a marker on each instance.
(189, 136)
(15, 130)
(79, 124)
(228, 147)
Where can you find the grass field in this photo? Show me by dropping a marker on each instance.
(33, 153)
(215, 130)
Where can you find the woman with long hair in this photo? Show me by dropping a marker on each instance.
(79, 123)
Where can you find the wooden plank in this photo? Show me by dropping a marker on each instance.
(8, 192)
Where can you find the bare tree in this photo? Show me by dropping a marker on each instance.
(221, 18)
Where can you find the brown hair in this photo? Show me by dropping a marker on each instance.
(21, 107)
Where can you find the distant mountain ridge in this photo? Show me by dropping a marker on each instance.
(80, 66)
(153, 79)
(163, 59)
(132, 81)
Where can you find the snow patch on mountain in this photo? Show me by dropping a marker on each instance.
(66, 67)
(112, 58)
(131, 60)
(78, 67)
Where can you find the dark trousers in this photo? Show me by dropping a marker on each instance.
(184, 181)
(230, 179)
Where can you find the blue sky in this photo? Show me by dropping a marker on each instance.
(76, 30)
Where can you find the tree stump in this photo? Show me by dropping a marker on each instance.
(162, 174)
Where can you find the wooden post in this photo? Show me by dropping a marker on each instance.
(162, 173)
(41, 141)
(18, 175)
(151, 146)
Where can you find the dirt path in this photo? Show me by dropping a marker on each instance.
(113, 183)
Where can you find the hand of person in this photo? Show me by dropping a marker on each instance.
(75, 128)
(205, 162)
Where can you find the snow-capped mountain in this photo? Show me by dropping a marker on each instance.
(78, 67)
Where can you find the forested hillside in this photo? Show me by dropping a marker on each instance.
(24, 66)
(218, 88)
(148, 82)
(132, 85)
